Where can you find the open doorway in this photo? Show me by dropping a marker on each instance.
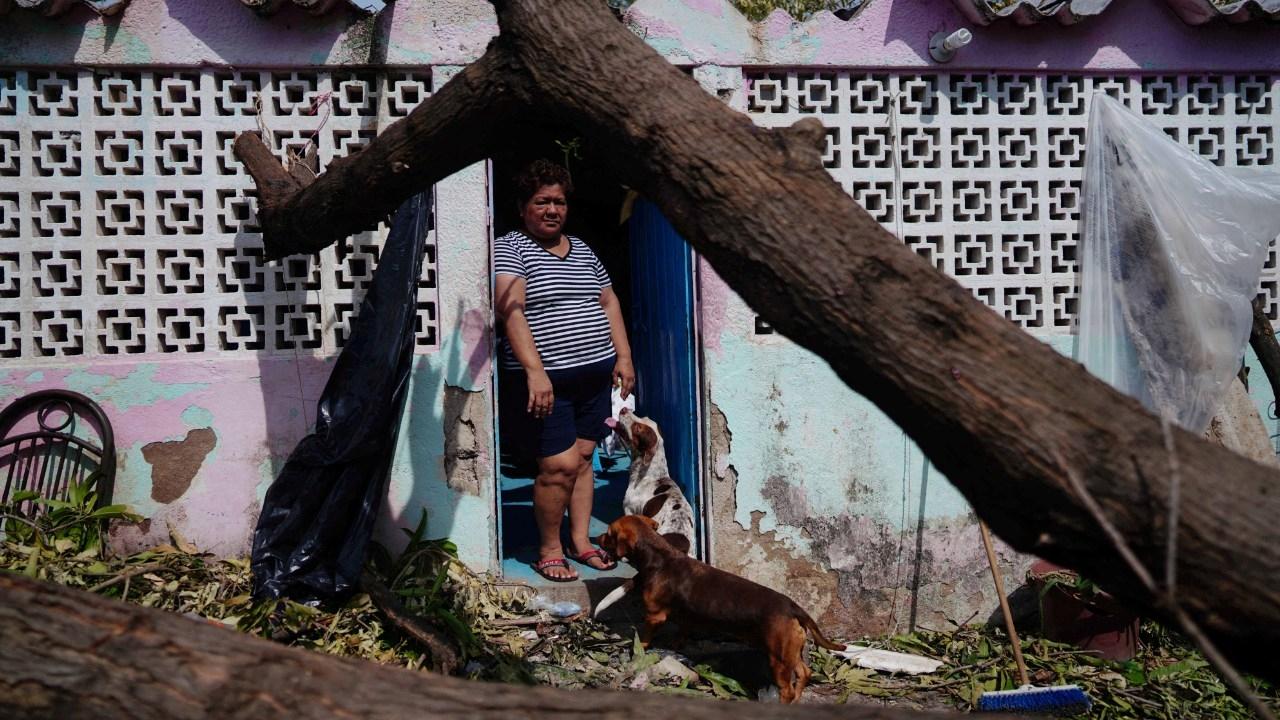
(652, 273)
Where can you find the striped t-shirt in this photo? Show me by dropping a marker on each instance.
(562, 301)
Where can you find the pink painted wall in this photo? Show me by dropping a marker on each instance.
(225, 32)
(257, 407)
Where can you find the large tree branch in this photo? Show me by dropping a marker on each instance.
(1262, 337)
(448, 131)
(68, 655)
(1002, 414)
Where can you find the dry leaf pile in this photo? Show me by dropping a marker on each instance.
(503, 640)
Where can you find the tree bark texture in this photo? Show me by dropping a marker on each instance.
(1002, 414)
(68, 654)
(1262, 337)
(411, 154)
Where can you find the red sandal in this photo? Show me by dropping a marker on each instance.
(540, 566)
(585, 557)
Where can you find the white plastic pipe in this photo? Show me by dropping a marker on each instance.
(957, 39)
(943, 46)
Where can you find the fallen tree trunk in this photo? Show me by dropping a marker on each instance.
(1007, 419)
(68, 654)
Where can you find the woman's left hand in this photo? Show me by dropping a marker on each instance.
(624, 376)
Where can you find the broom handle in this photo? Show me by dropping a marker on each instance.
(1004, 604)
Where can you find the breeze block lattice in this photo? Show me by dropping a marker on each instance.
(980, 173)
(128, 226)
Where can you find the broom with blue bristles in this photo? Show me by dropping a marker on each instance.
(1059, 699)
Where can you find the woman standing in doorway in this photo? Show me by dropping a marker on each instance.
(563, 347)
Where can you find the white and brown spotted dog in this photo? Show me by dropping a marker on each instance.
(650, 490)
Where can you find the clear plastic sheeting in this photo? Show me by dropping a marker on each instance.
(1172, 248)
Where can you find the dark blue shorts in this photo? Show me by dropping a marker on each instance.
(580, 408)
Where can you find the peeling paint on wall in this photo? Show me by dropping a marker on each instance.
(138, 386)
(882, 571)
(831, 527)
(754, 554)
(174, 463)
(462, 470)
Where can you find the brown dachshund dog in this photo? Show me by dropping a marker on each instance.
(678, 587)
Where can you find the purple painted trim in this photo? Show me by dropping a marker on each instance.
(1131, 36)
(225, 33)
(1196, 12)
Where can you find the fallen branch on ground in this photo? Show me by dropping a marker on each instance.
(148, 664)
(444, 652)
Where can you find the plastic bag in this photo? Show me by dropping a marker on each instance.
(1172, 249)
(612, 443)
(561, 609)
(318, 515)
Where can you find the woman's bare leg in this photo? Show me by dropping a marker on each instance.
(580, 502)
(552, 490)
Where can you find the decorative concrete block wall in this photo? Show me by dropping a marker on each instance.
(129, 247)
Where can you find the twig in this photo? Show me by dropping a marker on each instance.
(523, 585)
(324, 641)
(542, 619)
(1222, 665)
(521, 621)
(1175, 491)
(968, 670)
(267, 135)
(125, 576)
(22, 520)
(444, 653)
(1188, 625)
(1135, 697)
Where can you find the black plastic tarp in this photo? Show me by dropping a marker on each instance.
(318, 515)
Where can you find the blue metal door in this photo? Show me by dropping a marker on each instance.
(662, 341)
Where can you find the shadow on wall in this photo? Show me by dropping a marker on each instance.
(231, 31)
(61, 37)
(291, 380)
(441, 453)
(238, 38)
(444, 453)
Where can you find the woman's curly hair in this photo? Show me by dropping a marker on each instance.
(539, 174)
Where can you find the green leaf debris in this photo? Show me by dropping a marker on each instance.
(503, 640)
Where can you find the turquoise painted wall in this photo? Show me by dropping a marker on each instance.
(814, 489)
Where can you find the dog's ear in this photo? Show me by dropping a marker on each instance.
(624, 540)
(643, 438)
(649, 521)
